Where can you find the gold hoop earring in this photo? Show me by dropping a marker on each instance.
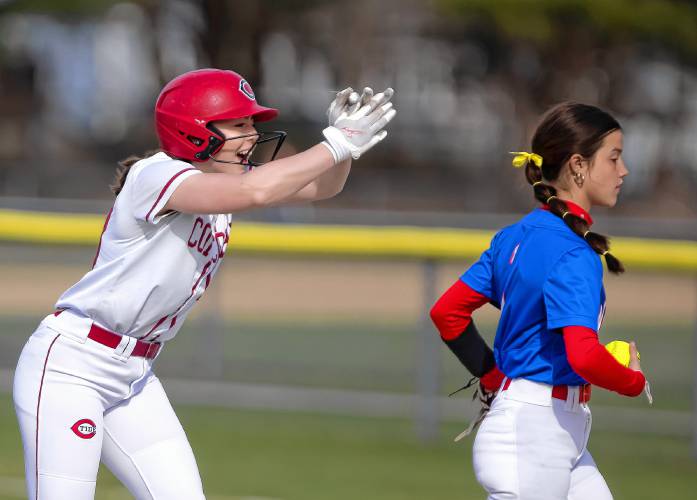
(579, 179)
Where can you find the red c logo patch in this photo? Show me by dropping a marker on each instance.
(84, 429)
(246, 89)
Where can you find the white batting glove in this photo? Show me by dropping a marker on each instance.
(377, 100)
(362, 100)
(355, 132)
(373, 101)
(341, 102)
(349, 101)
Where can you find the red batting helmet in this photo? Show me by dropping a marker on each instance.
(190, 102)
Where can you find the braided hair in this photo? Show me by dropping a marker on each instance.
(567, 129)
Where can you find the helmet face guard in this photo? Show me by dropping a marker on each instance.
(188, 105)
(215, 144)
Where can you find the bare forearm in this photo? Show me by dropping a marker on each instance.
(332, 182)
(272, 183)
(326, 185)
(281, 179)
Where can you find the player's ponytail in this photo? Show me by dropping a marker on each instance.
(567, 129)
(123, 169)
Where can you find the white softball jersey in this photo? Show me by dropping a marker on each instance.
(150, 268)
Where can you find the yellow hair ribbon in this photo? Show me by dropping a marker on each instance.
(522, 158)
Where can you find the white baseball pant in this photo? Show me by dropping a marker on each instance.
(532, 446)
(77, 403)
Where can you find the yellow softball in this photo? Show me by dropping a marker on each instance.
(620, 350)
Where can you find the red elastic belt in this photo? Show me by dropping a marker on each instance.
(142, 349)
(110, 339)
(562, 391)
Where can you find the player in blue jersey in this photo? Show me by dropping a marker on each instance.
(545, 274)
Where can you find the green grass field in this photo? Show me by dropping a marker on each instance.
(297, 456)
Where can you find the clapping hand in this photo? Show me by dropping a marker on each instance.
(357, 121)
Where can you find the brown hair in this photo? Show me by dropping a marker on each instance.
(124, 167)
(570, 128)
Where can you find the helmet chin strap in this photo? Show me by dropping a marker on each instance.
(248, 165)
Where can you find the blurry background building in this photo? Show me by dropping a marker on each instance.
(79, 80)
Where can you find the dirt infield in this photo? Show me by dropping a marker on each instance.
(305, 287)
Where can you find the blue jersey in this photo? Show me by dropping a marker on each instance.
(543, 277)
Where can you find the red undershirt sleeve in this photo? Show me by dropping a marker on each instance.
(589, 359)
(452, 314)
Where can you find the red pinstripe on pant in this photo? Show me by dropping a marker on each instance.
(38, 404)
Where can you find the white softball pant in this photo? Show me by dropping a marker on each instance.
(532, 446)
(76, 404)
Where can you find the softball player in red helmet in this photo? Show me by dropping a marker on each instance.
(545, 275)
(84, 388)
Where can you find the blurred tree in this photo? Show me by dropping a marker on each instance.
(667, 22)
